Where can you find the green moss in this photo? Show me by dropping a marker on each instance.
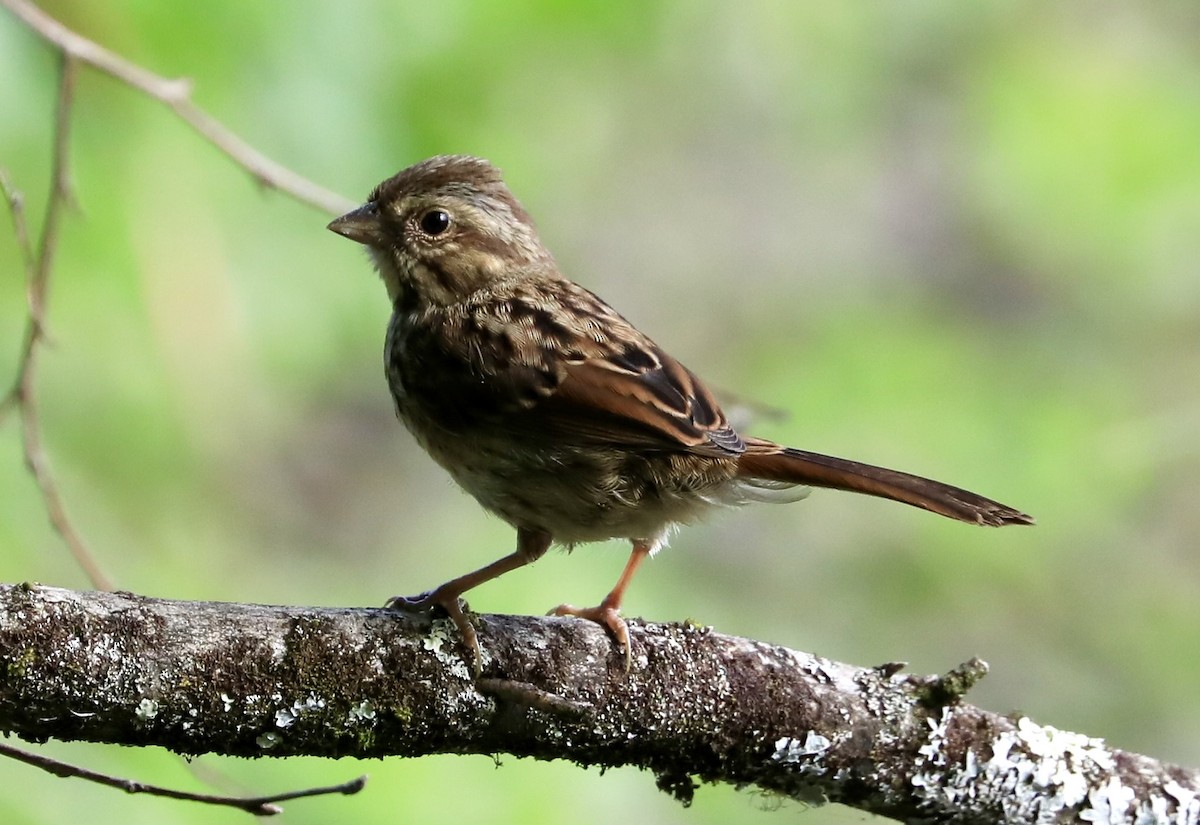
(952, 686)
(18, 666)
(366, 740)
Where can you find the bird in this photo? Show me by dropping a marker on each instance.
(551, 409)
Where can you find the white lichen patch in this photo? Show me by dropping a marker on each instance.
(1184, 797)
(807, 753)
(364, 711)
(1038, 773)
(443, 642)
(805, 757)
(1111, 802)
(286, 717)
(1187, 806)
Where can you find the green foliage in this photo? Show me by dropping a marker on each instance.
(959, 239)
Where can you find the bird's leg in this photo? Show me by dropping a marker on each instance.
(531, 546)
(608, 613)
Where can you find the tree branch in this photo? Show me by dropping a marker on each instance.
(176, 95)
(252, 680)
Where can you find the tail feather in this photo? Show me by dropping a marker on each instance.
(785, 464)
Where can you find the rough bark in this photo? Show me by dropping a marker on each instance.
(253, 680)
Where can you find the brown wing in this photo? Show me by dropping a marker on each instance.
(562, 362)
(639, 395)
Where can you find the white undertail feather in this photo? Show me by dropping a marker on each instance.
(748, 490)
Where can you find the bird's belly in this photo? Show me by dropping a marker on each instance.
(581, 493)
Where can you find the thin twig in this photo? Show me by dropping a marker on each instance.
(176, 95)
(16, 206)
(259, 806)
(39, 266)
(528, 695)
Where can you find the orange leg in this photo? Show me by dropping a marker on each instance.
(531, 546)
(608, 613)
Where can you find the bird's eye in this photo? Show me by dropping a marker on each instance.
(435, 222)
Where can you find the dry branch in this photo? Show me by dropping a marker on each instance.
(257, 805)
(251, 680)
(22, 396)
(175, 93)
(75, 50)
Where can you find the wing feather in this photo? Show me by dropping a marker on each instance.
(663, 401)
(562, 361)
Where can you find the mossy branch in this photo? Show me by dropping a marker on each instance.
(251, 680)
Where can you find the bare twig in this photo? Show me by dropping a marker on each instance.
(16, 206)
(39, 265)
(176, 95)
(523, 693)
(259, 806)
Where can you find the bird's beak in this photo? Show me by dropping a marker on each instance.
(361, 225)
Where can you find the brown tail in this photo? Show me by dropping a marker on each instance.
(799, 467)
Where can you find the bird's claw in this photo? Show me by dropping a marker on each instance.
(455, 608)
(607, 617)
(413, 604)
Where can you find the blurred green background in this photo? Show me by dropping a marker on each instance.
(956, 238)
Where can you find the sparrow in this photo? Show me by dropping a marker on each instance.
(551, 409)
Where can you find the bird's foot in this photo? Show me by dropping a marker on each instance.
(605, 615)
(449, 601)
